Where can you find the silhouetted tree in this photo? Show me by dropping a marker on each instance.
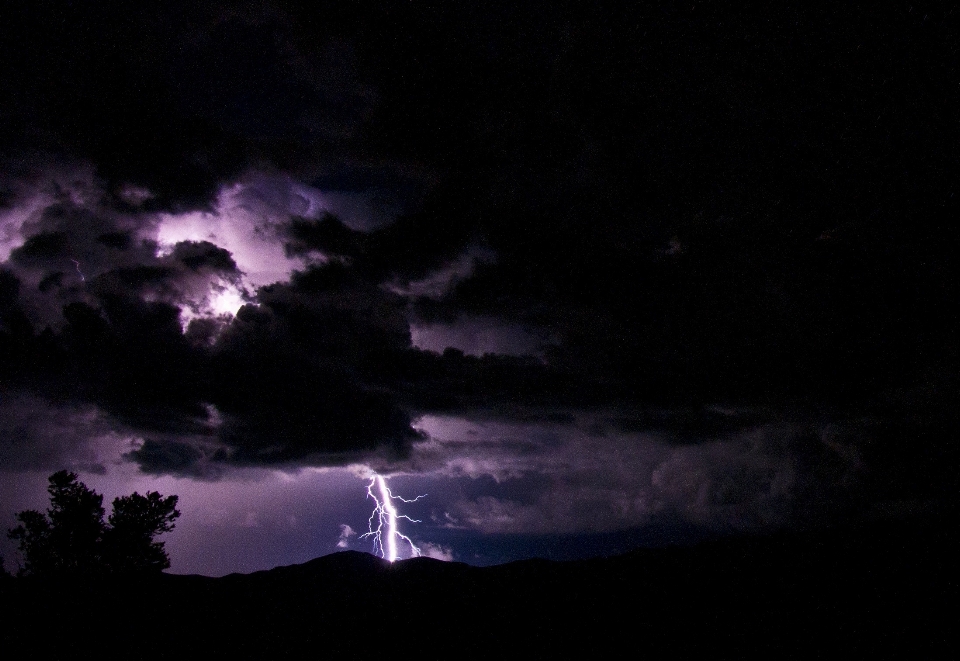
(67, 538)
(134, 522)
(72, 538)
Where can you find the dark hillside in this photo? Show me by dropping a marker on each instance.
(882, 591)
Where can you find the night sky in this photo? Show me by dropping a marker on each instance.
(590, 279)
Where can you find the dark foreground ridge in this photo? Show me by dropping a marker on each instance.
(879, 591)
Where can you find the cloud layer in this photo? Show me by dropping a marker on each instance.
(657, 263)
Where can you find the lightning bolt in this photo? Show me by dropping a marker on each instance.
(77, 264)
(383, 522)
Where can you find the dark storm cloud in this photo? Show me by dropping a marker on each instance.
(687, 423)
(294, 377)
(689, 223)
(540, 109)
(304, 372)
(327, 234)
(164, 457)
(690, 211)
(178, 99)
(83, 84)
(95, 310)
(34, 436)
(543, 476)
(202, 255)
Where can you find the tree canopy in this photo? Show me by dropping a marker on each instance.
(73, 538)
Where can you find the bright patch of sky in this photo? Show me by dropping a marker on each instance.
(251, 234)
(249, 220)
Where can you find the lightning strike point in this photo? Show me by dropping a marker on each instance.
(383, 525)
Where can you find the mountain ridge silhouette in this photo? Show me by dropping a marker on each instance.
(875, 590)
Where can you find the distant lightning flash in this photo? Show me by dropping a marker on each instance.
(383, 522)
(77, 264)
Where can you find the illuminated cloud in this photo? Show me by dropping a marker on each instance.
(588, 476)
(346, 532)
(436, 551)
(243, 223)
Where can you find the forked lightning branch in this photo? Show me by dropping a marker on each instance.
(383, 524)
